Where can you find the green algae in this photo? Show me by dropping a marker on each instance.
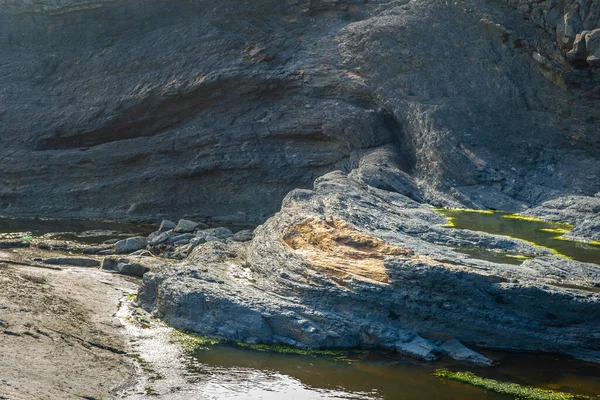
(192, 342)
(286, 349)
(512, 389)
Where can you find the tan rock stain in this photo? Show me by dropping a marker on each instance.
(334, 247)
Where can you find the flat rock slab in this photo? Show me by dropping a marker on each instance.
(73, 261)
(14, 244)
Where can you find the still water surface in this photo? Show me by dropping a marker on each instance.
(228, 372)
(542, 233)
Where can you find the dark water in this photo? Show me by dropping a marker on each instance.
(89, 232)
(541, 233)
(227, 372)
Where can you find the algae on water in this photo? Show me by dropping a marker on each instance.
(513, 389)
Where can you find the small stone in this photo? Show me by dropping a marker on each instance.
(95, 250)
(167, 225)
(132, 269)
(130, 245)
(111, 241)
(109, 263)
(185, 226)
(211, 238)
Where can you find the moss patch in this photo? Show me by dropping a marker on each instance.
(285, 349)
(191, 342)
(508, 388)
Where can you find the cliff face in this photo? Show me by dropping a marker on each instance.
(142, 109)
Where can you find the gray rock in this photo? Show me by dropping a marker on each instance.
(133, 265)
(243, 236)
(96, 250)
(185, 226)
(457, 351)
(132, 269)
(161, 238)
(419, 348)
(109, 263)
(184, 238)
(111, 241)
(167, 225)
(211, 238)
(592, 42)
(73, 261)
(12, 244)
(130, 245)
(196, 242)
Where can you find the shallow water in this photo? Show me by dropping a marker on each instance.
(536, 232)
(224, 371)
(229, 372)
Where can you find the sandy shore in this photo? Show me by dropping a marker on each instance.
(60, 337)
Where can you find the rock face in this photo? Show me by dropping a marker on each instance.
(220, 108)
(331, 269)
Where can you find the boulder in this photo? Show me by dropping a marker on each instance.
(457, 351)
(73, 261)
(167, 225)
(130, 245)
(185, 226)
(161, 238)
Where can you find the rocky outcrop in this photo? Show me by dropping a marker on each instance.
(348, 264)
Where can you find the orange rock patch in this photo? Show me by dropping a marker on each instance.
(335, 248)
